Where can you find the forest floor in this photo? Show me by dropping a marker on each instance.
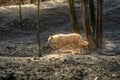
(18, 46)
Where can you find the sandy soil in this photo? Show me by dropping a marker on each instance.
(18, 47)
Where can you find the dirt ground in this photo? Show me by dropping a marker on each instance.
(18, 45)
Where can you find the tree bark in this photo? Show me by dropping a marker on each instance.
(38, 27)
(86, 25)
(20, 12)
(92, 17)
(73, 16)
(31, 1)
(99, 11)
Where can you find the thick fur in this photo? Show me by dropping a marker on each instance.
(63, 40)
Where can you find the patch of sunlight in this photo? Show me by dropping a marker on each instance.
(59, 56)
(49, 4)
(110, 45)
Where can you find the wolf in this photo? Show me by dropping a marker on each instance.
(63, 40)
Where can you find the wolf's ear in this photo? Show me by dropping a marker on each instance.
(51, 37)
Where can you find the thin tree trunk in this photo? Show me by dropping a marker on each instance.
(22, 1)
(92, 17)
(31, 1)
(99, 23)
(73, 16)
(86, 25)
(20, 12)
(38, 27)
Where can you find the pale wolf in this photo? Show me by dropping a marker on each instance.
(63, 40)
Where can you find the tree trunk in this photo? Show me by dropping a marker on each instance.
(92, 19)
(22, 1)
(73, 16)
(20, 12)
(38, 27)
(31, 1)
(99, 11)
(86, 25)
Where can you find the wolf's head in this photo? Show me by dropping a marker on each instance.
(84, 43)
(49, 40)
